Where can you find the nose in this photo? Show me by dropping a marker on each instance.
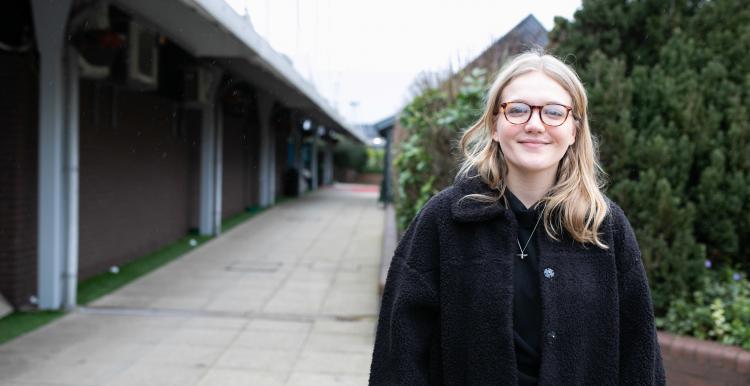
(535, 122)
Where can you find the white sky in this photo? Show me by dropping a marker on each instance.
(362, 56)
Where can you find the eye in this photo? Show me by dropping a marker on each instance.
(554, 111)
(517, 109)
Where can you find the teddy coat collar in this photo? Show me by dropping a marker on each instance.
(446, 312)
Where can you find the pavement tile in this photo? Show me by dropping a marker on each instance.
(256, 359)
(94, 351)
(337, 342)
(272, 340)
(292, 306)
(344, 303)
(181, 302)
(235, 305)
(234, 377)
(181, 354)
(307, 286)
(201, 337)
(333, 362)
(318, 379)
(124, 300)
(157, 375)
(362, 326)
(229, 323)
(14, 363)
(289, 297)
(70, 373)
(137, 334)
(279, 325)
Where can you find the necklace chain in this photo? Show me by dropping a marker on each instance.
(522, 254)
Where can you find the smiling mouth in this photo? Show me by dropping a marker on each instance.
(533, 144)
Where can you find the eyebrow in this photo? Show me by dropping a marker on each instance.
(545, 103)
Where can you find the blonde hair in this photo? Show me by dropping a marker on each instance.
(575, 201)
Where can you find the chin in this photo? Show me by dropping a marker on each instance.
(534, 167)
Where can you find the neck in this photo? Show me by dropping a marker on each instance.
(530, 188)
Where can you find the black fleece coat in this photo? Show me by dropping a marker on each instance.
(446, 313)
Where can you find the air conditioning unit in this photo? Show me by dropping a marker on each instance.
(87, 70)
(143, 57)
(96, 43)
(197, 81)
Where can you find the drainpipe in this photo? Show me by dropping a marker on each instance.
(71, 172)
(50, 20)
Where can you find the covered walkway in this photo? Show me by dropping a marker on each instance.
(287, 298)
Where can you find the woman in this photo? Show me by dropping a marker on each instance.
(522, 272)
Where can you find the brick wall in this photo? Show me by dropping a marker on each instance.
(18, 176)
(192, 121)
(234, 164)
(695, 362)
(136, 177)
(252, 197)
(282, 125)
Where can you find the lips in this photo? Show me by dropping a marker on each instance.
(533, 143)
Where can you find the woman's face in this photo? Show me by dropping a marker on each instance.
(534, 147)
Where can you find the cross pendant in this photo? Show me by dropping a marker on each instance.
(522, 255)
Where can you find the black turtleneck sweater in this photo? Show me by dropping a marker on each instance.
(527, 305)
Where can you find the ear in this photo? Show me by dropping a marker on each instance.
(574, 132)
(495, 136)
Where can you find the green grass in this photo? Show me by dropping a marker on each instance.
(97, 286)
(22, 322)
(239, 218)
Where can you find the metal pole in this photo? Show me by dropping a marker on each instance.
(72, 174)
(50, 20)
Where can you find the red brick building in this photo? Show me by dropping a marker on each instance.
(126, 124)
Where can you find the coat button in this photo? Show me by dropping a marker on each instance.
(551, 336)
(549, 273)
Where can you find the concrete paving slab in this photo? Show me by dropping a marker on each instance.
(144, 374)
(318, 379)
(236, 377)
(279, 361)
(271, 340)
(344, 363)
(336, 342)
(287, 298)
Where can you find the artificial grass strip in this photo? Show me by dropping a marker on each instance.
(22, 322)
(104, 283)
(95, 287)
(239, 218)
(19, 323)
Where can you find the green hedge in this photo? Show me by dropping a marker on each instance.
(426, 161)
(669, 90)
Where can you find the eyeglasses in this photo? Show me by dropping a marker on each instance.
(551, 114)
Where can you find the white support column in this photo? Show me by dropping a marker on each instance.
(328, 164)
(298, 164)
(211, 135)
(208, 148)
(50, 20)
(267, 175)
(71, 172)
(314, 159)
(271, 161)
(219, 164)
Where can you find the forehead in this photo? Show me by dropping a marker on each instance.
(535, 88)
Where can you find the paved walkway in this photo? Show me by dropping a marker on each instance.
(287, 298)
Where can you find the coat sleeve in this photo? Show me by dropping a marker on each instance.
(640, 355)
(408, 326)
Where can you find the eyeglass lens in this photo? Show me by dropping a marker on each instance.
(552, 114)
